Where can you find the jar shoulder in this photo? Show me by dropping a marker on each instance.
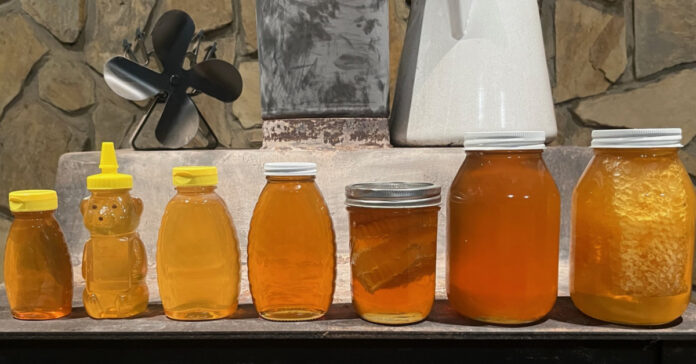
(198, 211)
(289, 199)
(45, 229)
(530, 178)
(607, 174)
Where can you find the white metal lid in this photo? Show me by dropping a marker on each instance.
(290, 169)
(393, 194)
(504, 140)
(637, 138)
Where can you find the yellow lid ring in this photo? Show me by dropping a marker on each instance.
(194, 176)
(33, 200)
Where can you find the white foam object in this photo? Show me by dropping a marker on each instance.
(471, 65)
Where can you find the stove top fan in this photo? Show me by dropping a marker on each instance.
(172, 89)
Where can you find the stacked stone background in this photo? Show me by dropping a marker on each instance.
(613, 63)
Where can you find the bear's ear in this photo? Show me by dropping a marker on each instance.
(84, 205)
(138, 205)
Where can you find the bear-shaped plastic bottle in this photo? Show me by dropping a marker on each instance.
(114, 263)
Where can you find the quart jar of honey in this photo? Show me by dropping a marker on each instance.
(393, 248)
(633, 229)
(503, 229)
(291, 251)
(38, 274)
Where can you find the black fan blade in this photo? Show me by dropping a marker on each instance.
(179, 121)
(170, 39)
(131, 80)
(216, 78)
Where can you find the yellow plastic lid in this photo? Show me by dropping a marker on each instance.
(194, 176)
(33, 200)
(109, 178)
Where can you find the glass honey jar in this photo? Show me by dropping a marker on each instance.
(393, 249)
(632, 235)
(292, 250)
(503, 230)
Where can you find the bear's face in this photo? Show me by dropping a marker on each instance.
(108, 214)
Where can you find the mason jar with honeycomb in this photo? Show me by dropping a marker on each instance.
(393, 242)
(502, 230)
(633, 229)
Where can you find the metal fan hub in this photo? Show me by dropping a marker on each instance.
(175, 80)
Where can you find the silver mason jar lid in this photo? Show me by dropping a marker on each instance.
(393, 195)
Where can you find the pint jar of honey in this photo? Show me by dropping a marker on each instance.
(393, 244)
(502, 230)
(292, 250)
(633, 229)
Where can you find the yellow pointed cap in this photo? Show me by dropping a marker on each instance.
(194, 176)
(33, 200)
(109, 178)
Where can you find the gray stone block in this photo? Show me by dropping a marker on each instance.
(323, 58)
(241, 180)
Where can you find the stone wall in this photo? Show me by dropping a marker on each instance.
(617, 64)
(613, 63)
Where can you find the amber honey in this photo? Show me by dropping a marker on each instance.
(633, 236)
(38, 274)
(197, 251)
(291, 252)
(503, 231)
(393, 254)
(114, 262)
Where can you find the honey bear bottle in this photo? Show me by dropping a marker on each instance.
(114, 263)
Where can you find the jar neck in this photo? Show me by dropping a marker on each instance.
(195, 189)
(505, 154)
(33, 214)
(115, 192)
(280, 179)
(638, 152)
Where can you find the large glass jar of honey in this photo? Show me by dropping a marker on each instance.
(503, 230)
(633, 229)
(291, 251)
(393, 248)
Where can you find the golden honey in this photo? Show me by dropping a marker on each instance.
(197, 250)
(502, 239)
(393, 254)
(38, 274)
(633, 235)
(291, 251)
(114, 263)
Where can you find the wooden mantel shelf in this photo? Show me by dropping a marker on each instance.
(564, 322)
